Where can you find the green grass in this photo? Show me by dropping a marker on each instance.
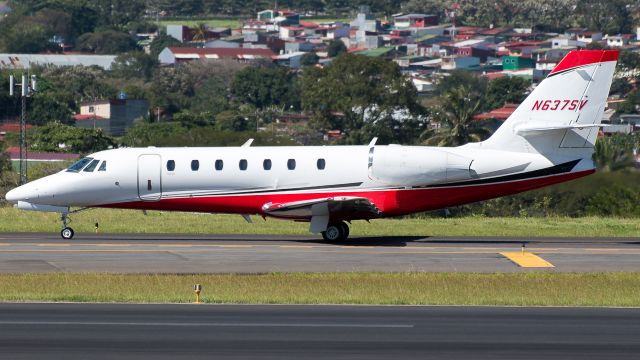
(130, 221)
(520, 289)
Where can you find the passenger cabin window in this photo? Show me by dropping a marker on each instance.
(79, 165)
(291, 164)
(321, 164)
(243, 164)
(266, 164)
(219, 165)
(171, 165)
(195, 165)
(92, 166)
(103, 166)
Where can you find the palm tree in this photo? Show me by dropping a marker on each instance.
(615, 152)
(454, 116)
(200, 33)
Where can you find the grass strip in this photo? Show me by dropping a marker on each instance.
(130, 221)
(531, 289)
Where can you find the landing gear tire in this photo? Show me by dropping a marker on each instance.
(67, 233)
(336, 232)
(345, 229)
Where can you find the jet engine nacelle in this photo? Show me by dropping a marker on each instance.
(416, 166)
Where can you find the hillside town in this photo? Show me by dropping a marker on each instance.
(256, 73)
(425, 50)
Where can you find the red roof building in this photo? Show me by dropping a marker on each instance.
(11, 127)
(173, 55)
(14, 154)
(501, 114)
(88, 117)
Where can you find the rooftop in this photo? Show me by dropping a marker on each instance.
(14, 154)
(26, 61)
(501, 114)
(375, 52)
(216, 53)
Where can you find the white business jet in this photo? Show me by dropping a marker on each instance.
(547, 140)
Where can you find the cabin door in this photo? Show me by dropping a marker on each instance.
(149, 182)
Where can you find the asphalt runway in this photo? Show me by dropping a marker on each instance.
(31, 252)
(111, 331)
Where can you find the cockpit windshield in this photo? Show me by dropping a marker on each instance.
(79, 165)
(92, 166)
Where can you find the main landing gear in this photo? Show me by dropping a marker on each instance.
(66, 232)
(336, 232)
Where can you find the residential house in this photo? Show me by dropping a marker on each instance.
(299, 45)
(279, 17)
(331, 31)
(473, 47)
(514, 63)
(113, 116)
(562, 42)
(415, 20)
(290, 32)
(464, 32)
(619, 40)
(588, 37)
(291, 60)
(454, 62)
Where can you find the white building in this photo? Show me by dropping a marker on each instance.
(26, 61)
(563, 42)
(456, 62)
(618, 40)
(589, 36)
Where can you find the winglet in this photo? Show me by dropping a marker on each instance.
(373, 141)
(247, 143)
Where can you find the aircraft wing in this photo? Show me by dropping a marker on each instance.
(319, 211)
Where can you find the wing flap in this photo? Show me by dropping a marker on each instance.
(330, 206)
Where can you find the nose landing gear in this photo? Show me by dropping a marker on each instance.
(66, 232)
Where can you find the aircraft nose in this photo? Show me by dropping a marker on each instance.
(21, 193)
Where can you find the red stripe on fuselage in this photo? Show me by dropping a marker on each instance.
(391, 202)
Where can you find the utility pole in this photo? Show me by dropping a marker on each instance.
(27, 89)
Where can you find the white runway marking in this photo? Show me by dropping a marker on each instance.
(221, 324)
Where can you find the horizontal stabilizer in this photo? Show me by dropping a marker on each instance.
(533, 129)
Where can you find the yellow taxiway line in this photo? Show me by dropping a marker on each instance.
(527, 260)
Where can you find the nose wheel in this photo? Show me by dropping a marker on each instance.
(66, 232)
(336, 232)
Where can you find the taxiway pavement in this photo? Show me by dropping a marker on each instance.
(33, 252)
(110, 331)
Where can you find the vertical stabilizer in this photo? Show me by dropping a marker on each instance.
(562, 114)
